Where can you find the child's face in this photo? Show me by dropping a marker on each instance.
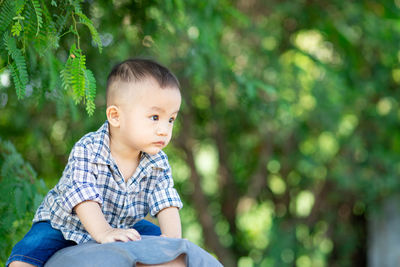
(147, 116)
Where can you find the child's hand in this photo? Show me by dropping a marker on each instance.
(116, 234)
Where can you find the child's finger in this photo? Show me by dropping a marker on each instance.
(121, 237)
(133, 234)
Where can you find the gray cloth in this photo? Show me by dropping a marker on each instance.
(149, 250)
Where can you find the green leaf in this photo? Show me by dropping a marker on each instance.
(95, 35)
(90, 91)
(7, 12)
(16, 29)
(38, 11)
(18, 70)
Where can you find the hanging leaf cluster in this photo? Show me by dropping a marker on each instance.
(31, 31)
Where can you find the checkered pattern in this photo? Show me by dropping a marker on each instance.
(92, 174)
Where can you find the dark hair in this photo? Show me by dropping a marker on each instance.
(137, 69)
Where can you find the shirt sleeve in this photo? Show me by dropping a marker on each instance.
(80, 184)
(164, 194)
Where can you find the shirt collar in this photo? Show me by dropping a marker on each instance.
(102, 153)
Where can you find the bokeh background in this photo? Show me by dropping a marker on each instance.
(286, 150)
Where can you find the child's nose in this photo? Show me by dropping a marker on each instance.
(162, 129)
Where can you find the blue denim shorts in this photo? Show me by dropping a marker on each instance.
(42, 241)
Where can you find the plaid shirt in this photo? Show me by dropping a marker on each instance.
(92, 174)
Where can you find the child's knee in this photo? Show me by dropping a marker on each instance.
(20, 264)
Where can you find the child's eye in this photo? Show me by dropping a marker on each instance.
(171, 120)
(154, 117)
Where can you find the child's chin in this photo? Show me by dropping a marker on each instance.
(153, 151)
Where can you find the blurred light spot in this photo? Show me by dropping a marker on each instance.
(308, 147)
(328, 145)
(274, 166)
(5, 78)
(240, 64)
(352, 33)
(312, 42)
(245, 262)
(206, 160)
(119, 3)
(154, 13)
(201, 101)
(126, 20)
(193, 232)
(396, 75)
(193, 32)
(255, 224)
(384, 106)
(58, 130)
(147, 41)
(106, 39)
(269, 43)
(287, 255)
(222, 229)
(303, 261)
(304, 203)
(96, 10)
(256, 255)
(245, 204)
(276, 184)
(181, 171)
(326, 246)
(347, 125)
(307, 102)
(28, 90)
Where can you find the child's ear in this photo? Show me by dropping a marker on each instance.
(113, 115)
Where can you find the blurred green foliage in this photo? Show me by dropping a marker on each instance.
(288, 135)
(21, 192)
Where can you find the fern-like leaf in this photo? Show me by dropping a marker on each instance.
(17, 81)
(66, 72)
(19, 6)
(20, 65)
(79, 77)
(95, 35)
(16, 29)
(7, 12)
(49, 24)
(39, 12)
(73, 74)
(90, 91)
(61, 20)
(77, 5)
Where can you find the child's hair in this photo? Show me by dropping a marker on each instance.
(137, 69)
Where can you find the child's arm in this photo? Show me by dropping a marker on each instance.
(92, 218)
(170, 222)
